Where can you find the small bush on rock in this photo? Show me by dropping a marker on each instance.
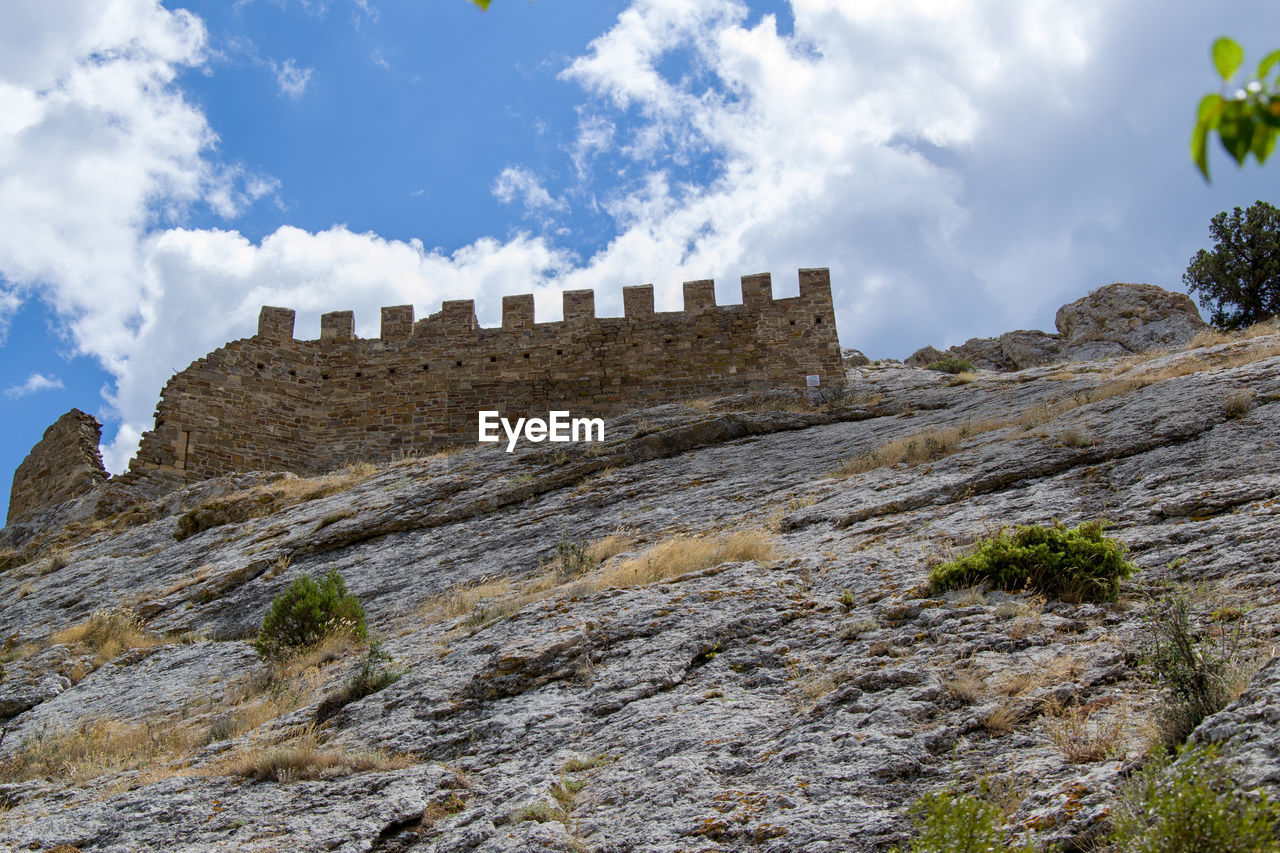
(306, 613)
(377, 670)
(1202, 670)
(1070, 563)
(952, 365)
(1190, 805)
(950, 822)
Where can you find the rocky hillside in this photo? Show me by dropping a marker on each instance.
(712, 632)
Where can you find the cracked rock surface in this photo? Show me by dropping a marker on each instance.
(795, 702)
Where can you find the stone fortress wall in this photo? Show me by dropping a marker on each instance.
(272, 402)
(64, 464)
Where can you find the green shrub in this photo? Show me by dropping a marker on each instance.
(951, 364)
(573, 557)
(377, 671)
(950, 822)
(1074, 564)
(306, 613)
(1200, 670)
(1191, 805)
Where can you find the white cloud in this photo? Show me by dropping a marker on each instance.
(888, 140)
(517, 183)
(291, 79)
(205, 287)
(822, 141)
(35, 383)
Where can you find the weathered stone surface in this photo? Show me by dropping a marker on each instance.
(1115, 320)
(64, 464)
(983, 353)
(1031, 348)
(748, 706)
(1137, 317)
(1249, 729)
(925, 356)
(853, 358)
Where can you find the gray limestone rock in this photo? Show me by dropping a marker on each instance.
(799, 701)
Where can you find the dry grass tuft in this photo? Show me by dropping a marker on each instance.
(682, 554)
(968, 687)
(270, 498)
(304, 756)
(974, 596)
(1060, 670)
(610, 546)
(1026, 619)
(1004, 718)
(487, 602)
(928, 446)
(107, 633)
(1075, 438)
(1210, 337)
(1080, 740)
(1238, 403)
(773, 522)
(96, 748)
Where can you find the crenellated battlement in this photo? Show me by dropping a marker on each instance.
(273, 401)
(458, 315)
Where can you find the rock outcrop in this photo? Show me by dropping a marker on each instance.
(798, 698)
(1121, 319)
(1118, 319)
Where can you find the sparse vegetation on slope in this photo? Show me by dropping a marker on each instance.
(1078, 564)
(1192, 805)
(1202, 670)
(956, 822)
(306, 756)
(682, 554)
(265, 500)
(952, 364)
(94, 748)
(306, 613)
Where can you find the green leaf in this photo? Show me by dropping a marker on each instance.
(1267, 63)
(1227, 56)
(1210, 106)
(1236, 132)
(1264, 142)
(1200, 147)
(1207, 115)
(483, 4)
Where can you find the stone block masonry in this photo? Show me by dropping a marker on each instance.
(272, 402)
(64, 464)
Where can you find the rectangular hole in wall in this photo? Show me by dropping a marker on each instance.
(817, 321)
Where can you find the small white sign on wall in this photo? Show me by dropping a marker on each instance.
(813, 380)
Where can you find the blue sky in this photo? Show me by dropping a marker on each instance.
(964, 168)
